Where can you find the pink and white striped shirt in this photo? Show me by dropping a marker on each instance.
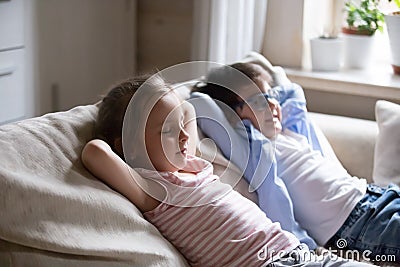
(213, 225)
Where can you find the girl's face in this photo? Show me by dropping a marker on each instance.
(264, 113)
(166, 133)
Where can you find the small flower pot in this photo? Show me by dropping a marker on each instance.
(326, 53)
(358, 48)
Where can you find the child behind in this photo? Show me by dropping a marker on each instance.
(208, 222)
(328, 202)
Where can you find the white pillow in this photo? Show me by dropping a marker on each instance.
(387, 148)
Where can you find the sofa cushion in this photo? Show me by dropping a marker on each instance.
(353, 141)
(387, 150)
(49, 201)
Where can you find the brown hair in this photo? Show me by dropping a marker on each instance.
(253, 71)
(228, 75)
(112, 109)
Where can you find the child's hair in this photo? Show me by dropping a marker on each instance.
(253, 71)
(113, 106)
(229, 75)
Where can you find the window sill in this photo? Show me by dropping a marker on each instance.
(379, 83)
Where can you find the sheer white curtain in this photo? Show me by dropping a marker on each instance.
(225, 30)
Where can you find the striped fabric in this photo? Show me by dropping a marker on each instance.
(213, 225)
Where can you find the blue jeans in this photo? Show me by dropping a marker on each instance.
(374, 224)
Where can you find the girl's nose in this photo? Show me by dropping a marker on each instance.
(183, 135)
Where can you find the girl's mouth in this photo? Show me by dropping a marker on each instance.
(184, 151)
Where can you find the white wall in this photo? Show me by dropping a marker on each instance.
(83, 46)
(77, 49)
(164, 32)
(290, 26)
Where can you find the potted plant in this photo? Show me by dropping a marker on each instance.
(363, 20)
(393, 27)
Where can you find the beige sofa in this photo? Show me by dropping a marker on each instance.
(353, 141)
(54, 213)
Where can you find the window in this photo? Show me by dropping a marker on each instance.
(290, 24)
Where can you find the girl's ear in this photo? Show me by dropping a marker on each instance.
(118, 145)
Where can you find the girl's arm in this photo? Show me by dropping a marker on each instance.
(102, 162)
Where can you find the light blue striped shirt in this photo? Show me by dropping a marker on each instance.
(253, 153)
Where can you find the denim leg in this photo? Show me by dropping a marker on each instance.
(373, 225)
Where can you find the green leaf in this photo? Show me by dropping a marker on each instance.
(366, 16)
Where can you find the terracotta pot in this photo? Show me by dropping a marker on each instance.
(354, 30)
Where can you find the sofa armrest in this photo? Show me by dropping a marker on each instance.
(353, 141)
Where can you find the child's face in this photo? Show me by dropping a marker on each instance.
(166, 134)
(264, 114)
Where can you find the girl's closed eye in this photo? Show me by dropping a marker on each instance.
(166, 130)
(173, 129)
